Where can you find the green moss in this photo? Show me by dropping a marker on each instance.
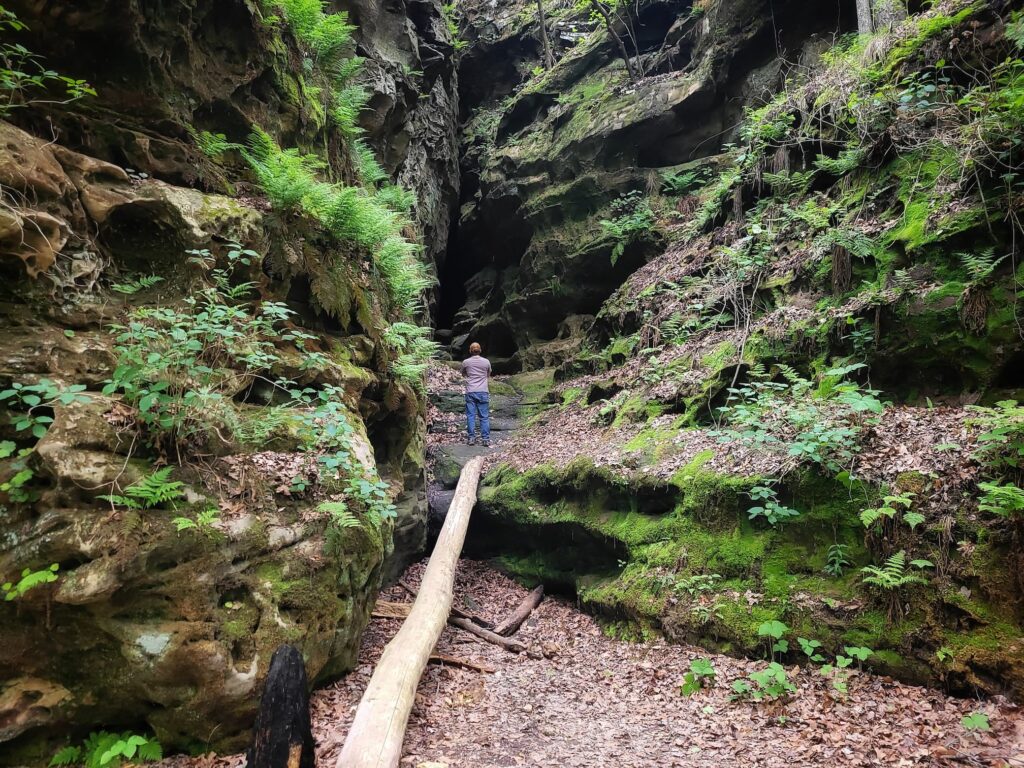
(927, 28)
(571, 395)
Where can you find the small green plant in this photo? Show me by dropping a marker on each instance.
(17, 486)
(976, 721)
(632, 219)
(705, 613)
(151, 491)
(449, 13)
(835, 560)
(33, 400)
(860, 653)
(701, 671)
(810, 649)
(134, 286)
(203, 521)
(25, 80)
(848, 160)
(29, 580)
(770, 508)
(890, 508)
(103, 749)
(697, 584)
(1002, 500)
(767, 684)
(684, 182)
(820, 425)
(892, 577)
(774, 631)
(1001, 442)
(213, 145)
(837, 672)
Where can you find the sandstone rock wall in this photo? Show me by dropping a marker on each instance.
(148, 626)
(545, 153)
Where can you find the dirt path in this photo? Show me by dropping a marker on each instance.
(591, 701)
(583, 700)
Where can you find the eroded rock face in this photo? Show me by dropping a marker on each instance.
(545, 154)
(147, 626)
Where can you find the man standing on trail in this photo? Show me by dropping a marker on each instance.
(477, 370)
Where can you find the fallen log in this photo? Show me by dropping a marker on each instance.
(283, 736)
(512, 624)
(387, 610)
(456, 611)
(376, 736)
(478, 620)
(512, 646)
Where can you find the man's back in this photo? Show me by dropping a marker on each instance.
(476, 369)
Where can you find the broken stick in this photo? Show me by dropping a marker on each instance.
(454, 661)
(512, 624)
(376, 736)
(485, 634)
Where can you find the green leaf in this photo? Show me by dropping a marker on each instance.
(702, 667)
(67, 756)
(976, 721)
(858, 652)
(774, 629)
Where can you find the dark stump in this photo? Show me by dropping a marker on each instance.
(283, 736)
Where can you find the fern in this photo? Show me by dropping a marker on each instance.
(848, 160)
(133, 287)
(213, 145)
(67, 756)
(103, 749)
(370, 171)
(347, 105)
(980, 265)
(790, 182)
(150, 491)
(286, 175)
(341, 515)
(895, 573)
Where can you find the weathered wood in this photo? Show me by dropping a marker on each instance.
(283, 736)
(512, 624)
(512, 646)
(479, 620)
(454, 661)
(383, 609)
(376, 736)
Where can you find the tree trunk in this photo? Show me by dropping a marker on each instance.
(549, 57)
(864, 22)
(376, 736)
(283, 737)
(889, 13)
(630, 69)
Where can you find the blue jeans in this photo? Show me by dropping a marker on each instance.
(478, 405)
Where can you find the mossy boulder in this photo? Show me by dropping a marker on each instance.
(683, 559)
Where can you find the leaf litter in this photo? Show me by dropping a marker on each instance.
(580, 699)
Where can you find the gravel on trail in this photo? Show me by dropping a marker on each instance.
(581, 699)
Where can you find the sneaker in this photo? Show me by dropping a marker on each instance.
(470, 441)
(486, 443)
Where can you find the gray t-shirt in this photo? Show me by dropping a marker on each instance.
(476, 369)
